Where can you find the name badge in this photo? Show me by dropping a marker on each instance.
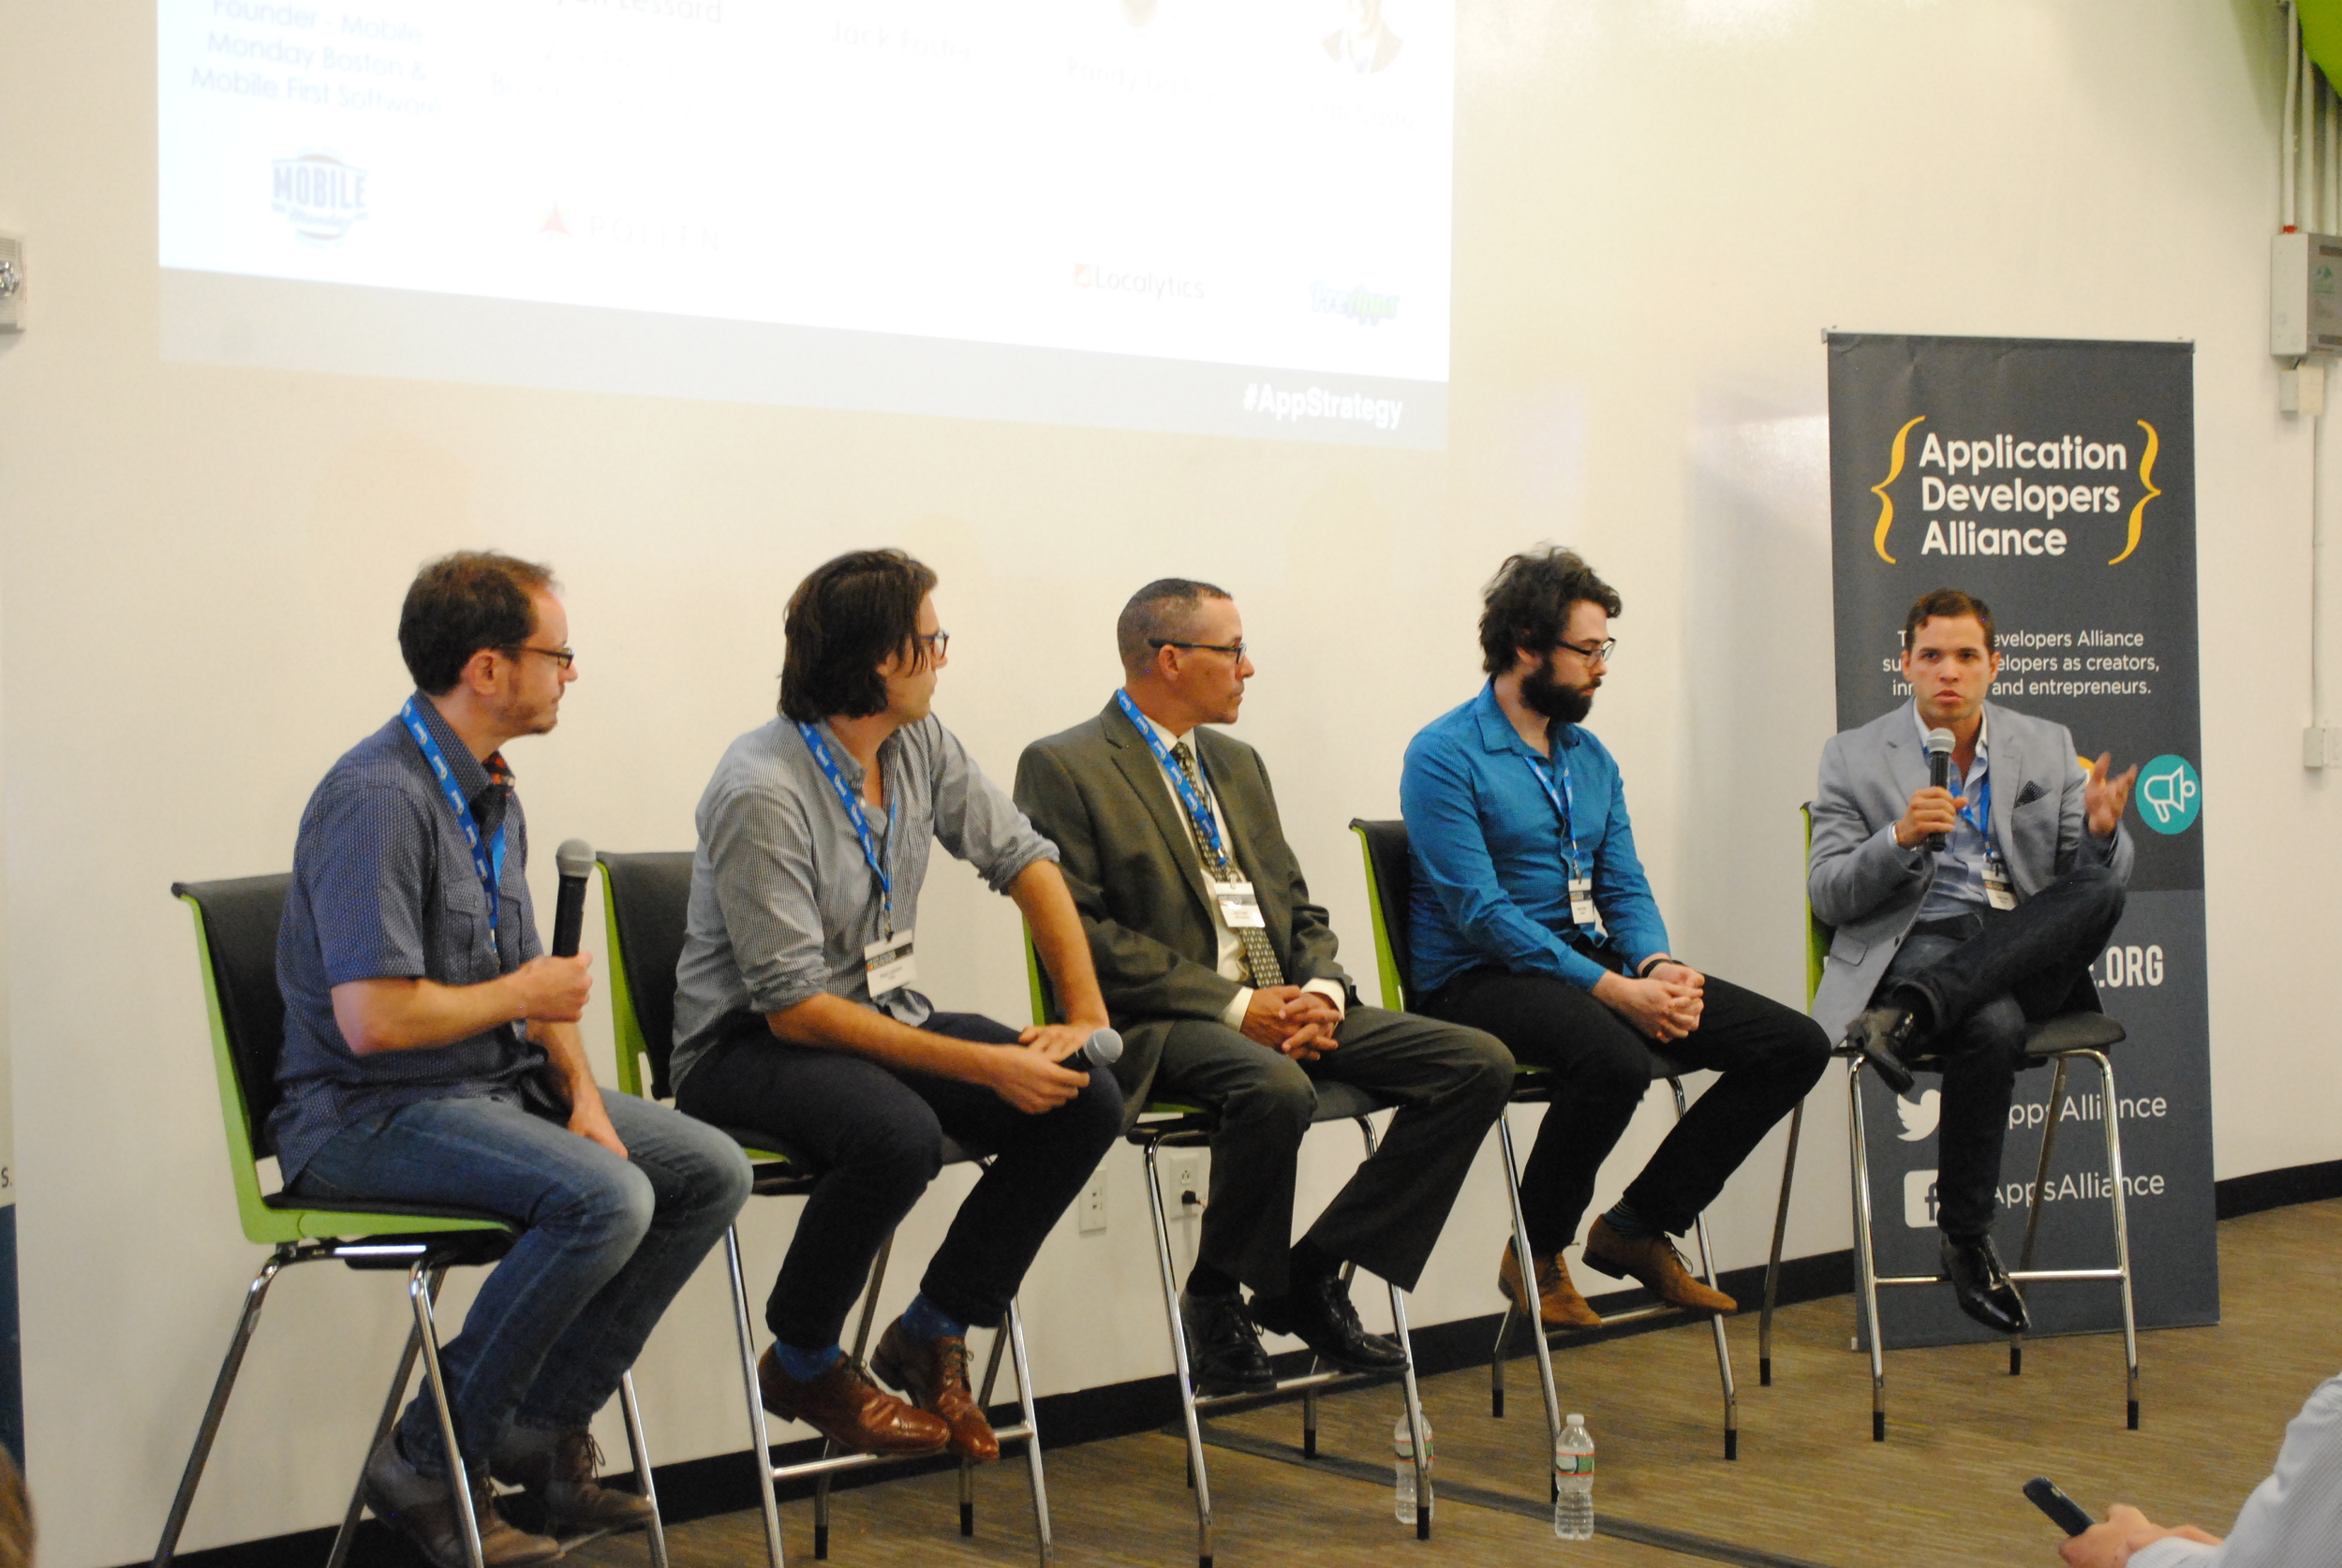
(887, 964)
(1998, 890)
(1582, 901)
(1240, 907)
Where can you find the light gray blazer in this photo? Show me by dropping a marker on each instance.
(1870, 892)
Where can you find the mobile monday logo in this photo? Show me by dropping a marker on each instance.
(321, 195)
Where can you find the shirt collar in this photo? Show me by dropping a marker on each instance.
(472, 775)
(1498, 734)
(1983, 730)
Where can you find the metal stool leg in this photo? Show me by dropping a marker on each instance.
(633, 1410)
(1865, 1265)
(1715, 1321)
(1415, 1397)
(760, 1439)
(1024, 1397)
(458, 1476)
(861, 1346)
(1772, 1264)
(255, 1295)
(1528, 1271)
(2034, 1203)
(344, 1537)
(2122, 1236)
(1178, 1356)
(984, 1402)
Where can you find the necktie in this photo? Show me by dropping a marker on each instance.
(1260, 958)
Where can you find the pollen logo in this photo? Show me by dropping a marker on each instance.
(321, 195)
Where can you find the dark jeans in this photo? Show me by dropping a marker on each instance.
(1768, 1056)
(608, 1242)
(876, 1135)
(1976, 988)
(1450, 1084)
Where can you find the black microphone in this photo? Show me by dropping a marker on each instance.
(1104, 1048)
(1939, 743)
(576, 857)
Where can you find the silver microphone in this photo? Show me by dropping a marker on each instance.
(1939, 745)
(1104, 1048)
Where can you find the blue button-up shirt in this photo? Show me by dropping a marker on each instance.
(383, 888)
(1491, 867)
(1959, 885)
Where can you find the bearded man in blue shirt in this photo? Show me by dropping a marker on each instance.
(1532, 919)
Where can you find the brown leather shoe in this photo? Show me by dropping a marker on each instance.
(1559, 1305)
(851, 1411)
(1652, 1261)
(563, 1471)
(423, 1509)
(934, 1372)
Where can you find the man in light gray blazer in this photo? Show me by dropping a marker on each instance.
(1218, 969)
(1940, 956)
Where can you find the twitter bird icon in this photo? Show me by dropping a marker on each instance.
(1919, 1116)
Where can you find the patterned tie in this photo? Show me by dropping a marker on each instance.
(1259, 957)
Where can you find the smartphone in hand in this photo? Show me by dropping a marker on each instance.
(2064, 1512)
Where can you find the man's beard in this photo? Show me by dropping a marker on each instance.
(1562, 705)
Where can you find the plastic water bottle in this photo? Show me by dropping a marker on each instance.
(1402, 1466)
(1572, 1482)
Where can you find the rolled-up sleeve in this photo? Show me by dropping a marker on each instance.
(976, 820)
(760, 848)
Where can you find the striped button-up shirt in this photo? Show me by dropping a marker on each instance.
(2292, 1519)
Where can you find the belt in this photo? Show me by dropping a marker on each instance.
(1964, 928)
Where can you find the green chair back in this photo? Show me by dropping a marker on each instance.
(235, 947)
(1390, 884)
(1817, 936)
(643, 900)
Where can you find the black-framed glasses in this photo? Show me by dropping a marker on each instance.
(1234, 650)
(1598, 653)
(934, 641)
(563, 657)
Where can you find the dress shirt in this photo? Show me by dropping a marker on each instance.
(2291, 1518)
(782, 901)
(383, 888)
(1491, 872)
(1959, 885)
(1230, 959)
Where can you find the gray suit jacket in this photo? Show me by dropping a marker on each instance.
(1870, 891)
(1097, 791)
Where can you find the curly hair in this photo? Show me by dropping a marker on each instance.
(848, 618)
(1528, 601)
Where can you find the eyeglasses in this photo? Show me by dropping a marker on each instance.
(1597, 653)
(563, 657)
(1234, 650)
(935, 643)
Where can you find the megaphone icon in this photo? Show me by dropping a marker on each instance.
(2171, 795)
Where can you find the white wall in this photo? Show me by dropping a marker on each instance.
(1658, 208)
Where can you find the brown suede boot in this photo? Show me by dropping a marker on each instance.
(423, 1509)
(563, 1471)
(1559, 1305)
(934, 1372)
(1653, 1262)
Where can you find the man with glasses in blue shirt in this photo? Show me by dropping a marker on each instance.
(1532, 919)
(432, 1057)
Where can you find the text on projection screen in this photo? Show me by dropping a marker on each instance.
(1225, 216)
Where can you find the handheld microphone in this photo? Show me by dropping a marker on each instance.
(576, 857)
(1104, 1048)
(1939, 743)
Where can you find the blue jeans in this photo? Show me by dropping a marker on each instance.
(1979, 987)
(607, 1243)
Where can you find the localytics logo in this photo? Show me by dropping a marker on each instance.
(321, 195)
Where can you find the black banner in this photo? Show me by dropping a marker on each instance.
(2055, 481)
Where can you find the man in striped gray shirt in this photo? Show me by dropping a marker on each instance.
(797, 1014)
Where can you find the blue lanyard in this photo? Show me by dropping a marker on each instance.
(852, 802)
(1982, 819)
(488, 859)
(1198, 811)
(1564, 800)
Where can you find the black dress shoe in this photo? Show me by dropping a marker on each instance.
(1985, 1291)
(1318, 1312)
(1223, 1355)
(1881, 1034)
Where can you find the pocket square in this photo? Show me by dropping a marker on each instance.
(2034, 789)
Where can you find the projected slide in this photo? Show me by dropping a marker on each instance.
(1216, 215)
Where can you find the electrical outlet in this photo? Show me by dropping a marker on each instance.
(1187, 1185)
(11, 283)
(1093, 1203)
(2321, 745)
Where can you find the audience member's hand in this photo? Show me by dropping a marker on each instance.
(1029, 1080)
(2104, 799)
(1932, 810)
(2125, 1531)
